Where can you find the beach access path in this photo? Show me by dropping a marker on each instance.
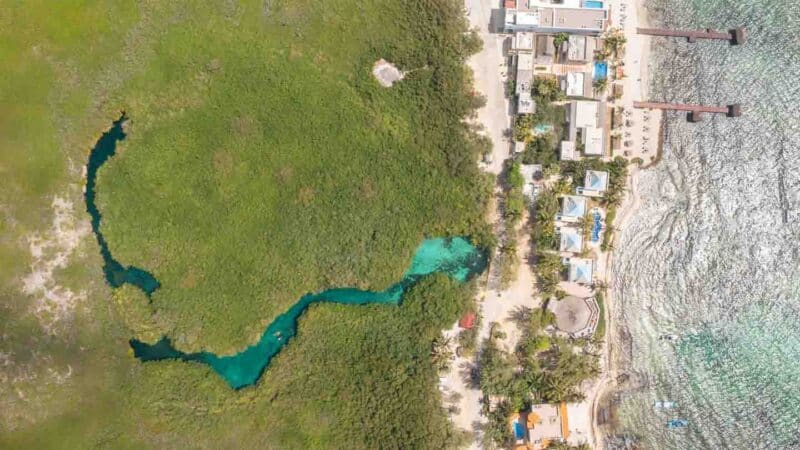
(496, 304)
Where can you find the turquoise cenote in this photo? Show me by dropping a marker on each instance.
(455, 257)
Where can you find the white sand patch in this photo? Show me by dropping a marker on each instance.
(51, 250)
(386, 73)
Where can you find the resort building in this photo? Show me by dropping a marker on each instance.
(595, 183)
(576, 317)
(525, 104)
(581, 48)
(588, 17)
(567, 151)
(573, 207)
(547, 423)
(522, 42)
(580, 270)
(577, 84)
(571, 240)
(588, 117)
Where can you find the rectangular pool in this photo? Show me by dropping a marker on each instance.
(600, 70)
(593, 4)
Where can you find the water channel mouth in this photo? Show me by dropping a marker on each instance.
(455, 257)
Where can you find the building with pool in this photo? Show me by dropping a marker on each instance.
(588, 17)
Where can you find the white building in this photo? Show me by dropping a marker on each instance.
(588, 117)
(547, 16)
(573, 207)
(581, 270)
(522, 42)
(594, 184)
(524, 73)
(571, 240)
(567, 151)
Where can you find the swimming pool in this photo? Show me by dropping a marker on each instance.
(542, 128)
(600, 70)
(596, 227)
(593, 4)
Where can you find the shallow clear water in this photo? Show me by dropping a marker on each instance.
(712, 254)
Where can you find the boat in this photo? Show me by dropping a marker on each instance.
(664, 404)
(677, 423)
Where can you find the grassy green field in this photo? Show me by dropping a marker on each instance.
(262, 161)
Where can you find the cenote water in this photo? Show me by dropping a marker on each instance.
(116, 274)
(455, 257)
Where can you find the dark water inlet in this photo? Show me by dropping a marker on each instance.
(116, 274)
(455, 257)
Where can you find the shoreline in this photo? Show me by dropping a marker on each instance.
(628, 208)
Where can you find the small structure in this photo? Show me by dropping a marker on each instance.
(547, 423)
(386, 73)
(525, 103)
(467, 321)
(567, 151)
(524, 73)
(532, 174)
(573, 207)
(595, 183)
(575, 316)
(575, 84)
(571, 240)
(581, 270)
(522, 42)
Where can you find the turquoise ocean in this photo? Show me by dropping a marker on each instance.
(713, 253)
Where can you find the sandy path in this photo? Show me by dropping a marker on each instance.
(489, 67)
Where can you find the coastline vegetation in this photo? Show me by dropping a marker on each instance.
(544, 368)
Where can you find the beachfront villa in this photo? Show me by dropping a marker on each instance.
(588, 117)
(576, 317)
(571, 240)
(595, 183)
(580, 270)
(547, 423)
(573, 207)
(588, 17)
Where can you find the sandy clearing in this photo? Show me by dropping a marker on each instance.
(51, 250)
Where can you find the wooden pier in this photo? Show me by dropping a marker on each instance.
(695, 111)
(736, 36)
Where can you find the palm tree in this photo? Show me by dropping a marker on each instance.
(600, 85)
(558, 41)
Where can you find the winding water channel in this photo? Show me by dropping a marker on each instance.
(455, 257)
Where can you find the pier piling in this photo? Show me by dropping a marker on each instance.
(736, 36)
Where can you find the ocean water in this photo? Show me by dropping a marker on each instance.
(713, 253)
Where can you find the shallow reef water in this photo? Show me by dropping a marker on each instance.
(712, 254)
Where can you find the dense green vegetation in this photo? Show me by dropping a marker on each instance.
(262, 161)
(290, 173)
(543, 369)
